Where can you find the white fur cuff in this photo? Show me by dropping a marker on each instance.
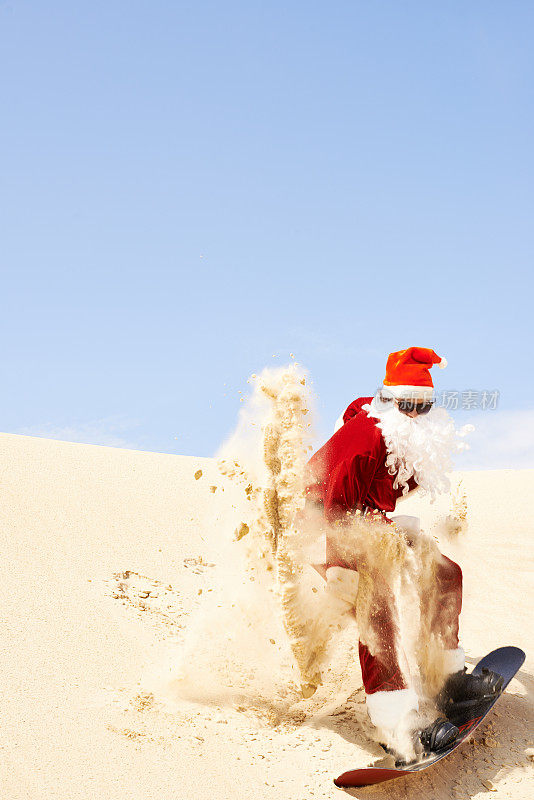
(387, 709)
(453, 660)
(409, 524)
(343, 583)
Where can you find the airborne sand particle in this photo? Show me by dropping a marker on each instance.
(267, 590)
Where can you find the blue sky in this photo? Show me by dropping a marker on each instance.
(192, 188)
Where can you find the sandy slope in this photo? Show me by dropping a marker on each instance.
(88, 531)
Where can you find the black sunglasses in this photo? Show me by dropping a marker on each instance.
(407, 406)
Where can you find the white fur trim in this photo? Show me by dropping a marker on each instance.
(443, 363)
(407, 392)
(343, 583)
(387, 709)
(454, 660)
(409, 524)
(339, 423)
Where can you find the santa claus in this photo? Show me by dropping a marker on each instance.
(385, 447)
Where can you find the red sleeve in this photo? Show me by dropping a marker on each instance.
(355, 407)
(348, 486)
(351, 411)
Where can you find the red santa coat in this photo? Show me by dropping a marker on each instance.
(347, 473)
(350, 471)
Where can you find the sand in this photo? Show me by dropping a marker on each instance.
(109, 554)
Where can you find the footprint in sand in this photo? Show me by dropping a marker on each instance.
(161, 602)
(149, 597)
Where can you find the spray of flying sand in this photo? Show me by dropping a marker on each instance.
(272, 631)
(265, 629)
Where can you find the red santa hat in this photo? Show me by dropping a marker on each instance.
(408, 373)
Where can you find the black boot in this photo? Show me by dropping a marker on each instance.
(464, 693)
(440, 734)
(437, 736)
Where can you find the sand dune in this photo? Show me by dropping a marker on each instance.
(107, 553)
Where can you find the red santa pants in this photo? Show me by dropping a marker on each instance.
(381, 670)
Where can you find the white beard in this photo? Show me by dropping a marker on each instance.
(419, 447)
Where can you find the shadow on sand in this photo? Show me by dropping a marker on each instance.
(495, 750)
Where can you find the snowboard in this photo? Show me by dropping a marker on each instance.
(506, 661)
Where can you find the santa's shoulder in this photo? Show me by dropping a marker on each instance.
(360, 434)
(356, 407)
